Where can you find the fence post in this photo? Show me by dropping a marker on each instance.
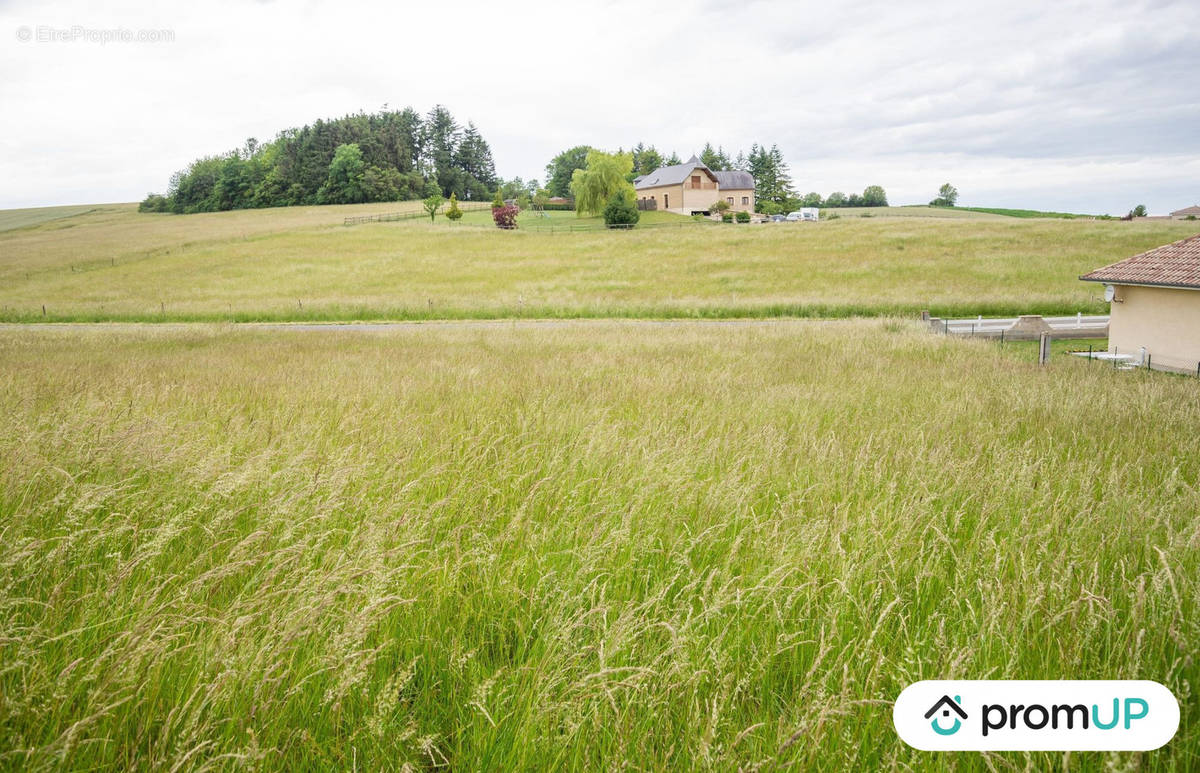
(1043, 348)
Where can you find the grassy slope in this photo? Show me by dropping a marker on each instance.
(301, 263)
(24, 218)
(533, 549)
(1024, 212)
(958, 213)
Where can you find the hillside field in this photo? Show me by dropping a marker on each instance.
(583, 546)
(111, 263)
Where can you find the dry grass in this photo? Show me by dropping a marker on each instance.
(302, 264)
(24, 218)
(698, 547)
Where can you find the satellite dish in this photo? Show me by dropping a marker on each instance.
(1110, 292)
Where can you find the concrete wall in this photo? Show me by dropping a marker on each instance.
(1166, 321)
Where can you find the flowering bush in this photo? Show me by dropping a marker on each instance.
(505, 216)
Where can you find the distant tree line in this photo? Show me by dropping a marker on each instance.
(773, 191)
(391, 155)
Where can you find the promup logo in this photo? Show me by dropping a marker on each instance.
(945, 705)
(1036, 715)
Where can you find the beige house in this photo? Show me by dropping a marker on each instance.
(1186, 212)
(1155, 309)
(691, 187)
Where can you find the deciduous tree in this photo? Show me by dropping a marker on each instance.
(344, 184)
(947, 196)
(606, 174)
(560, 170)
(432, 204)
(874, 196)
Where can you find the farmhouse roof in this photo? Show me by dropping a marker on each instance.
(1192, 210)
(734, 179)
(1172, 265)
(671, 175)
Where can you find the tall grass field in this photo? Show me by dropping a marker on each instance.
(301, 263)
(616, 545)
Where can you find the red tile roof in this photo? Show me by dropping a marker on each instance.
(1172, 265)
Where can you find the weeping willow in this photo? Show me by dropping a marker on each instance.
(606, 174)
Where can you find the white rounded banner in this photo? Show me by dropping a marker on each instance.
(1051, 715)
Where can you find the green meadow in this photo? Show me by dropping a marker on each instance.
(578, 546)
(607, 502)
(111, 263)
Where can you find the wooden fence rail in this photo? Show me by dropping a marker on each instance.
(388, 217)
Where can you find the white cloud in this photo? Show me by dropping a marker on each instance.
(1091, 107)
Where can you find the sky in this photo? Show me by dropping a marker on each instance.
(1082, 107)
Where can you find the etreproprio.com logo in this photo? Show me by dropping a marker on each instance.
(1036, 715)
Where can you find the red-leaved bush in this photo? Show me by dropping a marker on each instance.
(506, 216)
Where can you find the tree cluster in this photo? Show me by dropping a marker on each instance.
(391, 155)
(872, 196)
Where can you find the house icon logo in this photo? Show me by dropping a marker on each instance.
(945, 706)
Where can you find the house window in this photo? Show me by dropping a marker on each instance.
(695, 181)
(729, 199)
(666, 201)
(746, 200)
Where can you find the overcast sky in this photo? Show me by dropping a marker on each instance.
(1088, 107)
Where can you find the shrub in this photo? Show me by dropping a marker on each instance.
(155, 203)
(497, 200)
(726, 217)
(505, 216)
(743, 217)
(621, 209)
(454, 213)
(720, 206)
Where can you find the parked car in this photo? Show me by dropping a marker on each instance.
(778, 218)
(793, 217)
(807, 214)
